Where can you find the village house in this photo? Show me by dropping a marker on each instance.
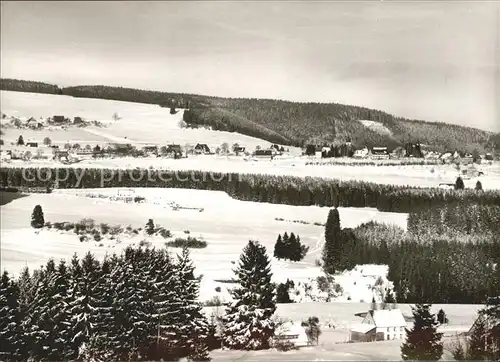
(379, 325)
(202, 149)
(31, 144)
(150, 150)
(292, 332)
(174, 151)
(58, 119)
(379, 153)
(238, 149)
(264, 153)
(78, 120)
(362, 153)
(33, 123)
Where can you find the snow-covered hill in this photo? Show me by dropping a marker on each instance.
(138, 124)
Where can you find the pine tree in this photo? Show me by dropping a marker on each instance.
(423, 342)
(193, 331)
(248, 323)
(491, 313)
(331, 250)
(37, 220)
(478, 341)
(285, 250)
(278, 248)
(441, 317)
(83, 299)
(459, 183)
(479, 186)
(389, 297)
(10, 320)
(294, 248)
(150, 227)
(20, 140)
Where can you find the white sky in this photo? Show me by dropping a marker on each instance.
(437, 61)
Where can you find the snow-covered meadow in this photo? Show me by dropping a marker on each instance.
(226, 224)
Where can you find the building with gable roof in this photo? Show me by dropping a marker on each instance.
(379, 325)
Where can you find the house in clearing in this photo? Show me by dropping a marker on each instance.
(150, 150)
(292, 332)
(58, 119)
(201, 149)
(264, 153)
(362, 153)
(380, 325)
(238, 149)
(31, 144)
(174, 151)
(33, 123)
(379, 153)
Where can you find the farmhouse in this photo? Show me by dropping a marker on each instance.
(362, 153)
(174, 151)
(238, 149)
(58, 119)
(202, 148)
(33, 123)
(488, 157)
(263, 153)
(32, 144)
(291, 332)
(78, 120)
(379, 153)
(380, 325)
(150, 150)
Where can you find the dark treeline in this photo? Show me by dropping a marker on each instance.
(449, 266)
(285, 122)
(140, 305)
(28, 86)
(455, 217)
(288, 190)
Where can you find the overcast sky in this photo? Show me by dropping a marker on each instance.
(425, 60)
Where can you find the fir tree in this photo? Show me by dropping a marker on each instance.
(479, 186)
(150, 227)
(294, 248)
(331, 250)
(37, 220)
(83, 299)
(248, 323)
(478, 341)
(491, 314)
(278, 248)
(10, 320)
(192, 333)
(20, 140)
(423, 342)
(459, 183)
(441, 317)
(285, 250)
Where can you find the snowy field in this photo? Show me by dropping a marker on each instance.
(226, 224)
(138, 124)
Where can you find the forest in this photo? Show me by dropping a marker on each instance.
(285, 122)
(139, 305)
(274, 189)
(435, 261)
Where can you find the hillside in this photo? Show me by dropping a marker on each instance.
(284, 122)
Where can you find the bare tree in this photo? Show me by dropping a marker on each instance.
(116, 117)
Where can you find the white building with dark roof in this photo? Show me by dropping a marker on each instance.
(379, 325)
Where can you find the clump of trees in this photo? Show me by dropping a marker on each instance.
(446, 265)
(290, 247)
(139, 305)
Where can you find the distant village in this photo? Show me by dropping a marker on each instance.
(72, 152)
